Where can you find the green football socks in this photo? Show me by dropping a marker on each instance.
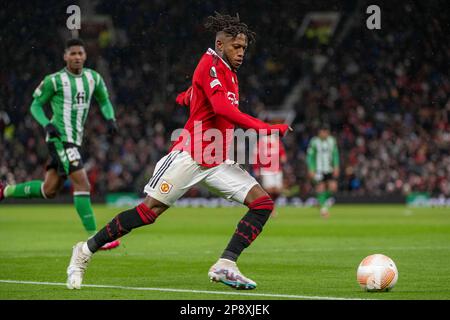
(82, 201)
(322, 198)
(29, 189)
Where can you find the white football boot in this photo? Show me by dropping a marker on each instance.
(77, 266)
(227, 272)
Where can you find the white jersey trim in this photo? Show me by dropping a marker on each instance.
(80, 110)
(67, 106)
(213, 53)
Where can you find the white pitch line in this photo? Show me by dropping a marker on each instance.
(268, 295)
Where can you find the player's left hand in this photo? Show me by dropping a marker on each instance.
(283, 128)
(112, 127)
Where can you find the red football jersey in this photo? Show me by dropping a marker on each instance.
(212, 74)
(213, 100)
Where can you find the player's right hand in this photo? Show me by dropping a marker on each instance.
(283, 128)
(52, 131)
(112, 127)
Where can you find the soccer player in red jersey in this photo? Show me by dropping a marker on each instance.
(200, 155)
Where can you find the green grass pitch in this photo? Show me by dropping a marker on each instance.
(298, 256)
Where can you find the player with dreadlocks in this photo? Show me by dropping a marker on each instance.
(213, 99)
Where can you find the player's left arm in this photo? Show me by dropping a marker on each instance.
(210, 81)
(336, 161)
(106, 107)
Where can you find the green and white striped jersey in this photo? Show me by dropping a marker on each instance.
(70, 98)
(322, 155)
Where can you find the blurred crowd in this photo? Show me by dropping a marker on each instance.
(385, 93)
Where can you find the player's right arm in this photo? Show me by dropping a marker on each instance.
(222, 106)
(311, 158)
(43, 94)
(102, 96)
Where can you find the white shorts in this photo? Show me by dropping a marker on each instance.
(177, 172)
(272, 179)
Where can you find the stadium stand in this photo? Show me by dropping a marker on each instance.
(385, 93)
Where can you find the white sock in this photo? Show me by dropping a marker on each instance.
(227, 261)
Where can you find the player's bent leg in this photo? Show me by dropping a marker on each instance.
(331, 190)
(225, 269)
(82, 200)
(322, 198)
(83, 206)
(250, 226)
(25, 190)
(52, 184)
(234, 183)
(332, 186)
(122, 224)
(145, 213)
(33, 189)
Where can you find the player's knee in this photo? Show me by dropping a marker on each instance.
(146, 214)
(332, 187)
(83, 186)
(254, 221)
(86, 185)
(262, 203)
(49, 192)
(320, 187)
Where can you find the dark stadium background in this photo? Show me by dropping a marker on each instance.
(384, 92)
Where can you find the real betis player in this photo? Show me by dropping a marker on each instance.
(323, 166)
(69, 92)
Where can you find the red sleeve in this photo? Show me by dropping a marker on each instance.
(184, 98)
(211, 78)
(211, 83)
(223, 107)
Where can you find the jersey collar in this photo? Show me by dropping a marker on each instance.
(214, 53)
(73, 74)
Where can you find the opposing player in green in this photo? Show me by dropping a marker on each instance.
(323, 166)
(69, 92)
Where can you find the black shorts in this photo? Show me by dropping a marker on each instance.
(65, 157)
(324, 178)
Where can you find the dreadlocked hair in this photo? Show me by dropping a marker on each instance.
(230, 25)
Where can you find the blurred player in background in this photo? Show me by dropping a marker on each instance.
(213, 101)
(323, 166)
(270, 175)
(69, 92)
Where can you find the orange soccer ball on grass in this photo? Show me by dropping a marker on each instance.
(377, 272)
